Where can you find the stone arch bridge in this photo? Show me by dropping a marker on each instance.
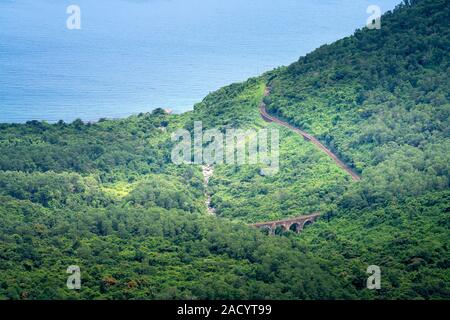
(294, 224)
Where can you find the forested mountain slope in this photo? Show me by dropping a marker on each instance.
(107, 197)
(380, 99)
(307, 181)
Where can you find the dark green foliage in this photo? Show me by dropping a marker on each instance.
(408, 240)
(114, 150)
(149, 254)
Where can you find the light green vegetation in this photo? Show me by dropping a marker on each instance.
(308, 181)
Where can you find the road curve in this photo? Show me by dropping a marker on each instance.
(269, 118)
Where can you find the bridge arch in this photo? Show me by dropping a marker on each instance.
(306, 224)
(280, 229)
(295, 227)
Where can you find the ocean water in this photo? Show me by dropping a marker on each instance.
(133, 56)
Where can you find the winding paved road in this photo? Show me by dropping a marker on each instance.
(269, 118)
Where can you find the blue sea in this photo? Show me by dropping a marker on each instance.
(133, 56)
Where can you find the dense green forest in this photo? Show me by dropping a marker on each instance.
(380, 99)
(105, 196)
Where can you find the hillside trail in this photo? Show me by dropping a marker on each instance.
(269, 118)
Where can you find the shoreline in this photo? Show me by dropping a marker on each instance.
(51, 122)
